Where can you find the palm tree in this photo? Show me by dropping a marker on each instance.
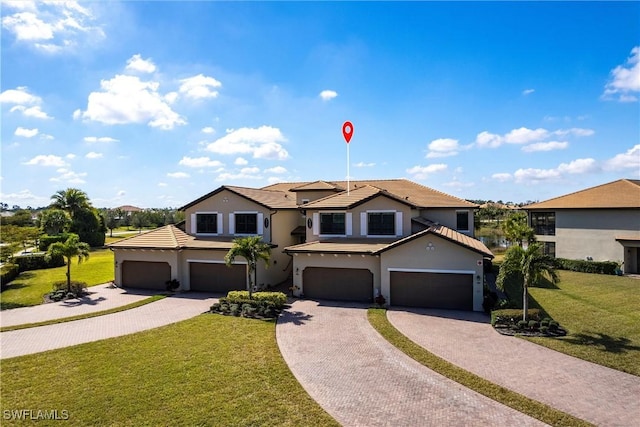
(529, 266)
(72, 247)
(70, 200)
(253, 249)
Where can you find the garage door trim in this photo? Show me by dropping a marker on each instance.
(430, 270)
(208, 261)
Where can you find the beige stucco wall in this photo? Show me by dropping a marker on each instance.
(224, 203)
(312, 195)
(448, 218)
(445, 257)
(302, 261)
(168, 256)
(592, 233)
(377, 204)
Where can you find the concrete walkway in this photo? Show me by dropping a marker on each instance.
(362, 380)
(100, 298)
(602, 396)
(159, 313)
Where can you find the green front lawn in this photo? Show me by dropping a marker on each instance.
(209, 370)
(601, 314)
(30, 286)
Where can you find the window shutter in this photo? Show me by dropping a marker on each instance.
(232, 224)
(349, 223)
(260, 224)
(316, 223)
(219, 219)
(194, 224)
(363, 223)
(398, 223)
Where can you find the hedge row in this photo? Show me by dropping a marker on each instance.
(93, 238)
(247, 308)
(8, 272)
(277, 298)
(597, 267)
(510, 315)
(46, 240)
(37, 262)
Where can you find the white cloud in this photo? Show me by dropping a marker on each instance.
(240, 162)
(502, 177)
(528, 91)
(70, 156)
(199, 87)
(46, 136)
(227, 176)
(444, 147)
(578, 166)
(34, 111)
(93, 155)
(178, 175)
(171, 97)
(121, 193)
(274, 180)
(574, 132)
(490, 140)
(545, 146)
(524, 135)
(326, 95)
(127, 99)
(624, 81)
(364, 165)
(69, 176)
(26, 133)
(92, 139)
(627, 160)
(199, 162)
(24, 198)
(208, 130)
(250, 171)
(51, 26)
(262, 142)
(19, 95)
(162, 184)
(46, 160)
(276, 170)
(423, 172)
(535, 175)
(136, 63)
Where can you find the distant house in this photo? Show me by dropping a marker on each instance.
(128, 210)
(395, 238)
(601, 223)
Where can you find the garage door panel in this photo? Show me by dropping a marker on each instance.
(217, 277)
(341, 284)
(145, 274)
(432, 290)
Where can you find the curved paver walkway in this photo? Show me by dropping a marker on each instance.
(362, 380)
(159, 313)
(597, 394)
(101, 297)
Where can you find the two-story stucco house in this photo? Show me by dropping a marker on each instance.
(397, 238)
(601, 223)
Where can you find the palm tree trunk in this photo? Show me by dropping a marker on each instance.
(68, 275)
(525, 302)
(249, 276)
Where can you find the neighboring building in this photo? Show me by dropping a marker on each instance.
(410, 243)
(600, 223)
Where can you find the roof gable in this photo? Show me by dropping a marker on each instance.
(624, 193)
(351, 199)
(271, 199)
(317, 186)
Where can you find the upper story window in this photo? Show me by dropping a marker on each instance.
(462, 220)
(544, 223)
(381, 224)
(246, 223)
(207, 223)
(332, 223)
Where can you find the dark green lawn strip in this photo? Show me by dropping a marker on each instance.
(84, 316)
(533, 408)
(209, 370)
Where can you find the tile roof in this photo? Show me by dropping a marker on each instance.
(170, 237)
(317, 186)
(348, 200)
(624, 193)
(272, 199)
(369, 247)
(403, 189)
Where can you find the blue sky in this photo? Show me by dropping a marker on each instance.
(157, 103)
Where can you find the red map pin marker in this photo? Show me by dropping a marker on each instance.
(347, 131)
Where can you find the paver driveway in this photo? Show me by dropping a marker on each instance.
(362, 380)
(159, 313)
(594, 393)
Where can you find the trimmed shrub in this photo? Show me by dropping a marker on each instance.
(37, 262)
(60, 293)
(247, 308)
(544, 329)
(582, 266)
(8, 273)
(510, 316)
(46, 240)
(522, 324)
(533, 324)
(279, 299)
(93, 238)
